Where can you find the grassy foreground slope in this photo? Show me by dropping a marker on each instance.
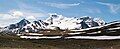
(13, 42)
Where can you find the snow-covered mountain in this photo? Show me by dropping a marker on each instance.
(16, 27)
(34, 26)
(20, 24)
(73, 23)
(53, 21)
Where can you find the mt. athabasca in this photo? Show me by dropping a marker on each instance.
(53, 21)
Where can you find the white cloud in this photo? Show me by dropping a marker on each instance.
(15, 16)
(24, 10)
(29, 10)
(93, 10)
(6, 19)
(6, 16)
(62, 5)
(36, 14)
(29, 7)
(17, 13)
(113, 7)
(31, 17)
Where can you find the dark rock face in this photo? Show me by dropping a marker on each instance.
(94, 24)
(84, 25)
(34, 27)
(20, 24)
(88, 22)
(12, 26)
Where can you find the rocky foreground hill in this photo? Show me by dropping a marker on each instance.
(12, 42)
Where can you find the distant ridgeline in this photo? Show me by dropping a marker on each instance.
(54, 22)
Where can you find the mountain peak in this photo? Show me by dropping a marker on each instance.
(20, 24)
(58, 21)
(24, 21)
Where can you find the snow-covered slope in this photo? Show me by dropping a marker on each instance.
(20, 24)
(16, 27)
(73, 23)
(25, 26)
(34, 26)
(53, 21)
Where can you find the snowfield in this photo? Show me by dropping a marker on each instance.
(95, 37)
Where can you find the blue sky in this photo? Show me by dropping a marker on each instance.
(12, 11)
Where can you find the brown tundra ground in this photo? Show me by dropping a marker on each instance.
(13, 42)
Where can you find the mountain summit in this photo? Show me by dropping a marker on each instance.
(20, 24)
(73, 23)
(56, 21)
